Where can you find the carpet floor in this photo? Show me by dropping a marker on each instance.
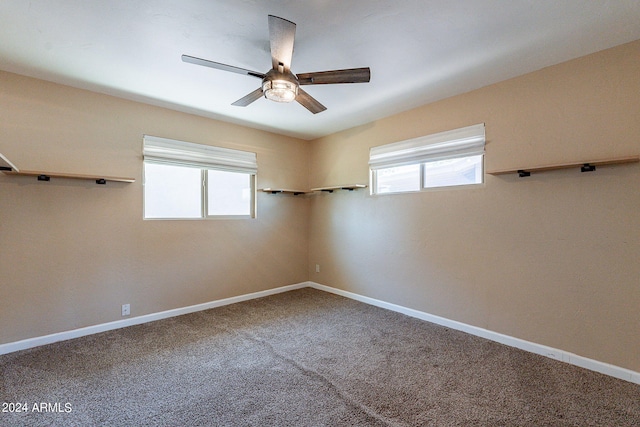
(302, 358)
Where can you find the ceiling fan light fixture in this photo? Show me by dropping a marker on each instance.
(280, 90)
(279, 84)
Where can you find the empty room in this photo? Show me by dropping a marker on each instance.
(320, 213)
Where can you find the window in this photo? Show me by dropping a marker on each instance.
(440, 160)
(228, 193)
(398, 179)
(190, 181)
(172, 191)
(451, 172)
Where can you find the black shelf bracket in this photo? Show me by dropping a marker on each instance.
(44, 178)
(587, 168)
(523, 173)
(101, 181)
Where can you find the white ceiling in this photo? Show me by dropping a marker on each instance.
(419, 51)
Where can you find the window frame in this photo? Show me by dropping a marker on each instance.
(162, 151)
(204, 196)
(422, 176)
(374, 182)
(459, 143)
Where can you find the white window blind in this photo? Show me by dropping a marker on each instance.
(463, 142)
(180, 153)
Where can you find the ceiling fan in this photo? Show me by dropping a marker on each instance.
(280, 84)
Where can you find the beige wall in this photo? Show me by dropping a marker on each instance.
(71, 253)
(551, 259)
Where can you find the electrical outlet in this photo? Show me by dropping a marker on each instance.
(126, 309)
(317, 268)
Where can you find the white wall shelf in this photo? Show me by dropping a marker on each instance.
(283, 191)
(587, 166)
(349, 187)
(6, 165)
(9, 168)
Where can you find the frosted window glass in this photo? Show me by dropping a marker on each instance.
(228, 193)
(398, 179)
(447, 173)
(172, 191)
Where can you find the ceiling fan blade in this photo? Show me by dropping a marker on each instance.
(282, 35)
(248, 99)
(219, 66)
(309, 102)
(352, 75)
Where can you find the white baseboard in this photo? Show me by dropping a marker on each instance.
(564, 356)
(553, 353)
(89, 330)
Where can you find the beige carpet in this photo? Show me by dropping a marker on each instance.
(303, 358)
